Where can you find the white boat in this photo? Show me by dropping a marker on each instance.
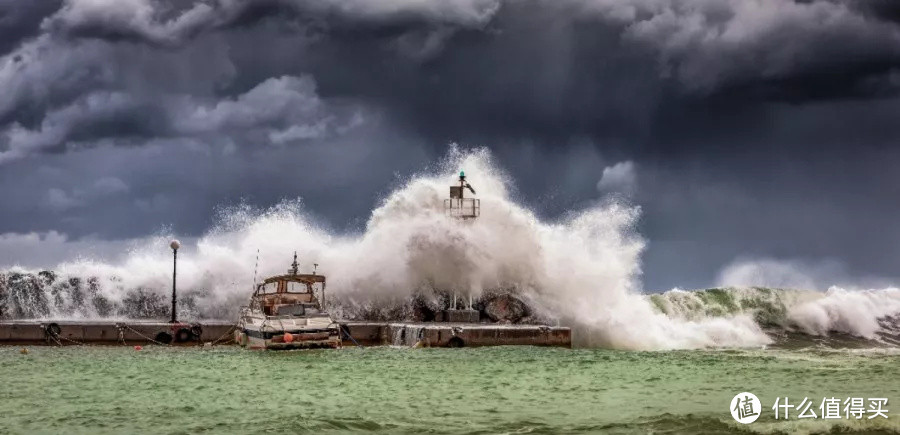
(284, 313)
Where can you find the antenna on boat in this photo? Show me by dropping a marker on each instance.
(255, 268)
(315, 266)
(294, 266)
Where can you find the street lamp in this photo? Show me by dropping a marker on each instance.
(175, 244)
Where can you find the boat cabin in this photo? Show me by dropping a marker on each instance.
(292, 294)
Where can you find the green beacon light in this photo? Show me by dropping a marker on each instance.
(462, 173)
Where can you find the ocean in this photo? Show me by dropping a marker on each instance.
(391, 390)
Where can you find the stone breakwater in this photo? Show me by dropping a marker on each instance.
(45, 294)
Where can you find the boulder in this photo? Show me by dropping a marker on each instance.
(505, 308)
(420, 310)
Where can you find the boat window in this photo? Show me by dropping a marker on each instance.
(291, 310)
(296, 287)
(269, 288)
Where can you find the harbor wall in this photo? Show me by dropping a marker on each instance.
(456, 334)
(430, 334)
(107, 332)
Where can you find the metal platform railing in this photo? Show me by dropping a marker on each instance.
(463, 208)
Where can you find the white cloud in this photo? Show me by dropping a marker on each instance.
(284, 102)
(619, 178)
(132, 18)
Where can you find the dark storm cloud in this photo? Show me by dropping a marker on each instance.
(71, 96)
(172, 24)
(486, 68)
(884, 9)
(702, 111)
(21, 20)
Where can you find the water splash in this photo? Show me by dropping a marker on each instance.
(582, 270)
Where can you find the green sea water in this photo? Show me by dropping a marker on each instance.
(95, 390)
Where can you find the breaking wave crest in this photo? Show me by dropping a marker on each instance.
(582, 271)
(867, 314)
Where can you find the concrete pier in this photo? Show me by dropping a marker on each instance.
(430, 334)
(67, 332)
(456, 334)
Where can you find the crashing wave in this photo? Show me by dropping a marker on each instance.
(582, 270)
(872, 314)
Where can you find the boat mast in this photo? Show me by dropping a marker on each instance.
(255, 268)
(294, 266)
(322, 303)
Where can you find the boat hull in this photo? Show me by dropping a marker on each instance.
(275, 340)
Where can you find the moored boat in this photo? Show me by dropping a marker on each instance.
(285, 313)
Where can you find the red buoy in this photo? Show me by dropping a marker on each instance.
(138, 348)
(288, 337)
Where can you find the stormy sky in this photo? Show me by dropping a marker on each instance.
(745, 129)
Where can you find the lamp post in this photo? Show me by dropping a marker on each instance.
(174, 245)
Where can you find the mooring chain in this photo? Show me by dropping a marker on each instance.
(145, 337)
(73, 341)
(53, 336)
(51, 333)
(230, 330)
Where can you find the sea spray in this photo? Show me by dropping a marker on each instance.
(853, 312)
(867, 314)
(582, 270)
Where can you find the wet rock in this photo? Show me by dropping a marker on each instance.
(26, 298)
(73, 285)
(46, 277)
(101, 305)
(3, 309)
(420, 310)
(536, 319)
(142, 304)
(504, 308)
